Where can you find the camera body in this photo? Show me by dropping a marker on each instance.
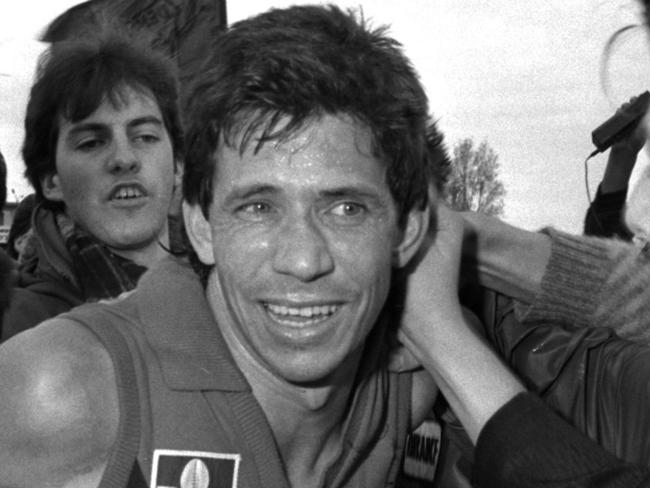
(620, 124)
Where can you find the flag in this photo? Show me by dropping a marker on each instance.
(183, 28)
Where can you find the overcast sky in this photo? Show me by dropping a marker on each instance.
(524, 76)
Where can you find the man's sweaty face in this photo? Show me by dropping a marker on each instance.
(302, 235)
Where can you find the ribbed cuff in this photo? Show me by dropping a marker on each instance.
(572, 283)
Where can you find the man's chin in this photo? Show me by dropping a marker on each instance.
(137, 247)
(318, 373)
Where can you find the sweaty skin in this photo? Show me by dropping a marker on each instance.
(303, 236)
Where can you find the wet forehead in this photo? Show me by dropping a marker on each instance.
(339, 137)
(332, 147)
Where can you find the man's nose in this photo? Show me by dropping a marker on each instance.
(302, 250)
(123, 158)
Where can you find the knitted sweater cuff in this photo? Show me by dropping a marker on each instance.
(570, 288)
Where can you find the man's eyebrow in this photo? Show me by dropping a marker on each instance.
(86, 127)
(148, 119)
(249, 191)
(343, 192)
(99, 126)
(353, 192)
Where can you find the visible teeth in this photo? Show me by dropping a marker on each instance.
(308, 312)
(128, 192)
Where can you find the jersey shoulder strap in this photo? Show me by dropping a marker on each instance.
(122, 469)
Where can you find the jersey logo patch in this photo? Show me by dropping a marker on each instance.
(194, 469)
(422, 451)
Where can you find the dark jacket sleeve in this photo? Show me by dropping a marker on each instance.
(31, 306)
(525, 445)
(7, 279)
(596, 380)
(604, 216)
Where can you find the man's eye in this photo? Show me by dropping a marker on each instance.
(89, 144)
(257, 207)
(147, 138)
(255, 210)
(348, 209)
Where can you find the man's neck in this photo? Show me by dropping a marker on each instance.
(145, 256)
(148, 254)
(307, 401)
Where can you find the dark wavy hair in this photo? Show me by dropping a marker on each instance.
(296, 65)
(75, 76)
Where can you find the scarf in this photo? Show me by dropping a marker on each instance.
(100, 272)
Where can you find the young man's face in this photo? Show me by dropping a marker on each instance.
(115, 172)
(303, 236)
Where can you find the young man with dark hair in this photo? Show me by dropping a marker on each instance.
(103, 149)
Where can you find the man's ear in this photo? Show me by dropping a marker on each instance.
(177, 190)
(413, 236)
(179, 167)
(199, 232)
(51, 186)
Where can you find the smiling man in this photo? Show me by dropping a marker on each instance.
(102, 149)
(300, 234)
(263, 360)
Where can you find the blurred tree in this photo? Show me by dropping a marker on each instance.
(474, 179)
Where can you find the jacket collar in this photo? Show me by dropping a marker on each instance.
(180, 327)
(52, 256)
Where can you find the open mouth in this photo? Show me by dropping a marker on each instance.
(300, 316)
(127, 192)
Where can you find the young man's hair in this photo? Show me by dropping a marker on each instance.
(280, 70)
(75, 76)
